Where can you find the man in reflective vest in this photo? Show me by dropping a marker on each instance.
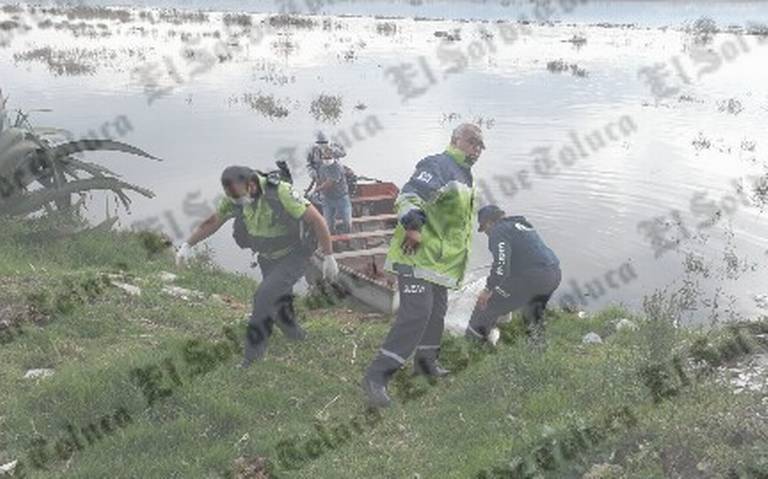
(429, 253)
(270, 218)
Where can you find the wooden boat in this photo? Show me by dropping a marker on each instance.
(361, 253)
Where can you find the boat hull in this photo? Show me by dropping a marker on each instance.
(361, 253)
(373, 294)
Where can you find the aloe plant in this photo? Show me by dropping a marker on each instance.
(30, 158)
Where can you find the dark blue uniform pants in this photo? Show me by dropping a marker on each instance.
(273, 301)
(418, 328)
(529, 290)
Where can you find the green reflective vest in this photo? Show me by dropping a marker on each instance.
(441, 193)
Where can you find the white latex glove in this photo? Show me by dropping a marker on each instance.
(183, 254)
(330, 268)
(493, 336)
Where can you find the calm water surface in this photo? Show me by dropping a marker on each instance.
(686, 152)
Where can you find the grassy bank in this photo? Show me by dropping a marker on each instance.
(553, 410)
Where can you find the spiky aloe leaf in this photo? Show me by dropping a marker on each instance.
(105, 225)
(92, 168)
(3, 111)
(35, 200)
(9, 137)
(72, 147)
(14, 157)
(50, 131)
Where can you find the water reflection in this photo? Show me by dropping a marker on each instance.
(261, 98)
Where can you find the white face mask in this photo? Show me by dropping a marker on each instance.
(242, 201)
(328, 162)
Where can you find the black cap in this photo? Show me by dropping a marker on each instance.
(236, 174)
(488, 213)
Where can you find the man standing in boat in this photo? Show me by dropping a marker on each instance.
(315, 156)
(332, 185)
(524, 274)
(271, 219)
(429, 253)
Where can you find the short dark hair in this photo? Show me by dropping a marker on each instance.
(237, 174)
(487, 214)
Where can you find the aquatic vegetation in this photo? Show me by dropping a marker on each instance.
(694, 264)
(386, 28)
(701, 142)
(11, 9)
(748, 145)
(8, 25)
(757, 29)
(239, 19)
(277, 78)
(731, 105)
(284, 47)
(178, 17)
(578, 41)
(28, 156)
(348, 55)
(267, 105)
(760, 192)
(326, 108)
(688, 99)
(286, 21)
(560, 66)
(71, 61)
(454, 36)
(173, 16)
(83, 12)
(703, 31)
(450, 117)
(272, 72)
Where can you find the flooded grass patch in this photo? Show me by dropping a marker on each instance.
(560, 66)
(272, 73)
(288, 21)
(72, 61)
(8, 25)
(239, 19)
(577, 41)
(178, 17)
(703, 31)
(11, 9)
(731, 105)
(284, 47)
(267, 105)
(82, 12)
(386, 28)
(326, 108)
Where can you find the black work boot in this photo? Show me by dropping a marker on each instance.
(375, 381)
(474, 336)
(286, 321)
(256, 342)
(429, 367)
(375, 390)
(292, 331)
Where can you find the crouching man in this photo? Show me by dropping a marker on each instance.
(525, 273)
(270, 219)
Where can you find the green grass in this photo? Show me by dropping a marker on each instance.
(500, 404)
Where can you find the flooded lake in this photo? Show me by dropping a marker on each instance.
(579, 138)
